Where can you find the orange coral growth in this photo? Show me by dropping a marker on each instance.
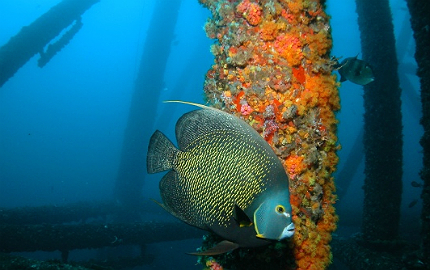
(236, 100)
(251, 12)
(288, 16)
(299, 74)
(295, 200)
(289, 47)
(295, 6)
(295, 165)
(269, 30)
(320, 43)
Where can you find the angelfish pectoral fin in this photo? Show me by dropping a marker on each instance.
(241, 218)
(259, 235)
(222, 247)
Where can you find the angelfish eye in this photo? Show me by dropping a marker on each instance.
(280, 209)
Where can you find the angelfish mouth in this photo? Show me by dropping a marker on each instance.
(288, 231)
(291, 227)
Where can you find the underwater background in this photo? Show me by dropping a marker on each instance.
(62, 126)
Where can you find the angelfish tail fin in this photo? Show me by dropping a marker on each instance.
(161, 153)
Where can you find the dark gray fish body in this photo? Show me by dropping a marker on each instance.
(223, 177)
(416, 184)
(413, 203)
(356, 71)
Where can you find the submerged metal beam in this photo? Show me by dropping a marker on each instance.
(34, 37)
(51, 237)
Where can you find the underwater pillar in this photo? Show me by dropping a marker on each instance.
(34, 37)
(382, 124)
(420, 22)
(143, 107)
(272, 69)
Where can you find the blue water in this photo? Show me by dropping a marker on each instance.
(62, 126)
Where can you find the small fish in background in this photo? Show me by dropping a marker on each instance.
(355, 70)
(222, 178)
(413, 203)
(416, 184)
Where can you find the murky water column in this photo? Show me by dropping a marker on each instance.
(272, 69)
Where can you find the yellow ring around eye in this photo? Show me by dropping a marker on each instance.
(280, 209)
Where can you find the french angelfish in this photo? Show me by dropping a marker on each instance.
(356, 71)
(223, 178)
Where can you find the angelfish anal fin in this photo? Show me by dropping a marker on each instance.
(222, 247)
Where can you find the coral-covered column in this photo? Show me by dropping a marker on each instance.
(272, 69)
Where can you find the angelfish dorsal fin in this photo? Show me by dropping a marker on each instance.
(199, 123)
(220, 248)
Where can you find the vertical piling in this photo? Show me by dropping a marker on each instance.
(272, 69)
(420, 22)
(147, 89)
(382, 123)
